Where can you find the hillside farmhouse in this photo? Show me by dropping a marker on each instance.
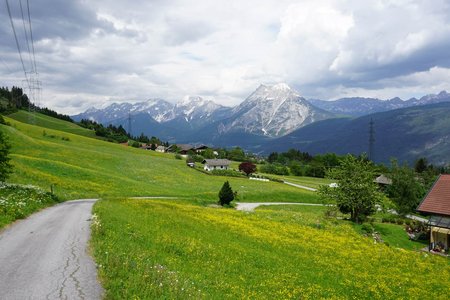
(182, 149)
(437, 204)
(161, 149)
(216, 164)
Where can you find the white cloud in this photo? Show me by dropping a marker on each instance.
(222, 50)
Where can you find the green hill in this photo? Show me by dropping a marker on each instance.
(44, 121)
(79, 166)
(406, 134)
(183, 248)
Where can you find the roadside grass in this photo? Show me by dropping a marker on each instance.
(77, 166)
(153, 249)
(19, 201)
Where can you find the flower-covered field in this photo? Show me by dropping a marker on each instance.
(18, 201)
(148, 249)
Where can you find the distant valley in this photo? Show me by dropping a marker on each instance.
(276, 118)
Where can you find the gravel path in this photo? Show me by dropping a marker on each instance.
(45, 256)
(300, 186)
(251, 206)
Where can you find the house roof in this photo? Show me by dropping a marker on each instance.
(382, 179)
(437, 201)
(185, 147)
(201, 147)
(182, 147)
(217, 162)
(160, 147)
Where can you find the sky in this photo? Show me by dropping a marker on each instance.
(91, 53)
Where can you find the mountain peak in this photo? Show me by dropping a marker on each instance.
(281, 87)
(190, 99)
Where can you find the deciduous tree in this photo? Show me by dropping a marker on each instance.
(406, 190)
(247, 168)
(356, 193)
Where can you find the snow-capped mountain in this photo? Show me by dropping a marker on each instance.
(363, 106)
(194, 109)
(272, 110)
(189, 108)
(159, 109)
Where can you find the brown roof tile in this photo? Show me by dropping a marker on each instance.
(437, 201)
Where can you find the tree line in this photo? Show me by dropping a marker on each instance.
(13, 100)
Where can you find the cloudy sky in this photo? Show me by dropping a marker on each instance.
(89, 53)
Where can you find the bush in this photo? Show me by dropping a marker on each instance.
(178, 156)
(367, 228)
(275, 168)
(226, 194)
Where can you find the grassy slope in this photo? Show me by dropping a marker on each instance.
(51, 123)
(158, 250)
(170, 249)
(86, 167)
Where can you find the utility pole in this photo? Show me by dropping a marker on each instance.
(371, 139)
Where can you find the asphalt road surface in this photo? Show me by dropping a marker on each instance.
(45, 256)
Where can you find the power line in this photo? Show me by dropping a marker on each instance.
(26, 34)
(17, 42)
(31, 36)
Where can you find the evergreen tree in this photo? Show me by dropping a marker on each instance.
(226, 194)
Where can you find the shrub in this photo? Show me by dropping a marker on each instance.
(226, 194)
(367, 228)
(275, 168)
(178, 156)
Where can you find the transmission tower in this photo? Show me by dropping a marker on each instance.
(371, 139)
(129, 124)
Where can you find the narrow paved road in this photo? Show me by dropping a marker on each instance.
(244, 206)
(45, 256)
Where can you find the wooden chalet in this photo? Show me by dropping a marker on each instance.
(436, 204)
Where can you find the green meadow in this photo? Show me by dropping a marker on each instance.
(154, 249)
(183, 247)
(77, 166)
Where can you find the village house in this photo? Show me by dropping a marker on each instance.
(182, 149)
(146, 146)
(161, 149)
(436, 204)
(200, 148)
(216, 164)
(383, 180)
